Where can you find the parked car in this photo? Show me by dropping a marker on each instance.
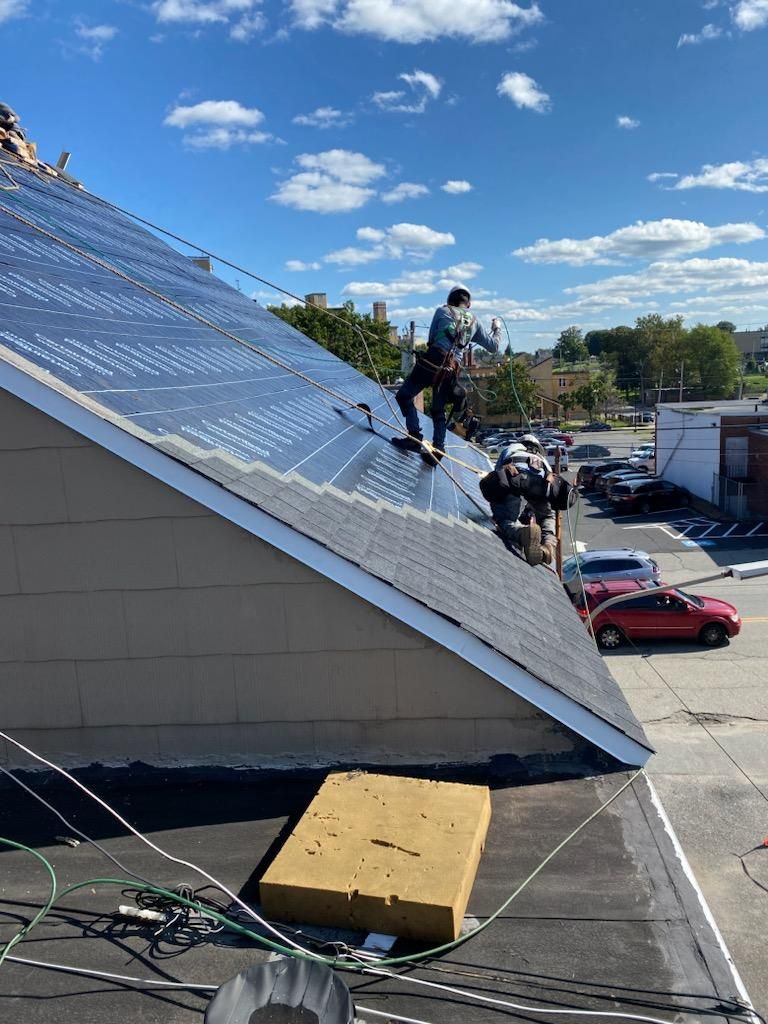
(638, 474)
(586, 474)
(597, 425)
(611, 564)
(601, 471)
(589, 451)
(567, 439)
(645, 496)
(646, 461)
(666, 615)
(605, 481)
(643, 450)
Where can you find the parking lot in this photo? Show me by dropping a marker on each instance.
(705, 710)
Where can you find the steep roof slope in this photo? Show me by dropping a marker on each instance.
(85, 325)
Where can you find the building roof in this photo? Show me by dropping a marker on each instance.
(128, 357)
(716, 407)
(613, 923)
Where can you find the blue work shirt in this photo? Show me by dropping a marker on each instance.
(446, 324)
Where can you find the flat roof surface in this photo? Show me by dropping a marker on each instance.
(611, 924)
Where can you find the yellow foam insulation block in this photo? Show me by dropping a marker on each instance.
(381, 853)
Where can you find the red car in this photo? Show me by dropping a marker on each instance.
(567, 439)
(659, 615)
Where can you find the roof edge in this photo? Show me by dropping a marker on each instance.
(143, 455)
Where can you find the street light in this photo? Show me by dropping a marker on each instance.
(742, 571)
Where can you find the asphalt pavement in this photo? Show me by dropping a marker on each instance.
(705, 711)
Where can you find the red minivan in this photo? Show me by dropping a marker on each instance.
(658, 615)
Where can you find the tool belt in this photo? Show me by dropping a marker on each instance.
(443, 365)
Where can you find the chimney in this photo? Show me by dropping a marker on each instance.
(380, 312)
(319, 299)
(204, 262)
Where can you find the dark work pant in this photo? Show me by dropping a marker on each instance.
(507, 516)
(421, 377)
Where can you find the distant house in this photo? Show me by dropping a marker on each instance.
(752, 344)
(554, 381)
(718, 451)
(206, 555)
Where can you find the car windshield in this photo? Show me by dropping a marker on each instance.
(693, 598)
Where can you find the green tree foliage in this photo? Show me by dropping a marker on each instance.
(570, 347)
(712, 361)
(727, 326)
(592, 395)
(506, 403)
(343, 340)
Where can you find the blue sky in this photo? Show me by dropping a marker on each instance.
(386, 149)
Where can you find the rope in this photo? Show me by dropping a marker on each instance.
(246, 344)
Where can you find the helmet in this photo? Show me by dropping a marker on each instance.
(532, 444)
(457, 295)
(7, 116)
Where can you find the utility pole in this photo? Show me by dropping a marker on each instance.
(682, 370)
(661, 381)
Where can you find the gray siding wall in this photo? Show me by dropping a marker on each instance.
(134, 624)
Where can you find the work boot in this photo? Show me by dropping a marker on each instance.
(432, 457)
(547, 553)
(407, 444)
(530, 541)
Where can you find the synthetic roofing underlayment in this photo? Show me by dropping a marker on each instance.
(239, 433)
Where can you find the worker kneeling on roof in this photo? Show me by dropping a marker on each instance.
(453, 330)
(522, 474)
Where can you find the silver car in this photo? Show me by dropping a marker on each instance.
(614, 564)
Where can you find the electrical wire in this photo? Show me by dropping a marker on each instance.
(71, 826)
(43, 910)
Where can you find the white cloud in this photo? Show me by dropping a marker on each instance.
(524, 92)
(94, 39)
(323, 117)
(12, 9)
(405, 190)
(424, 87)
(414, 282)
(644, 240)
(200, 12)
(751, 176)
(247, 27)
(711, 276)
(750, 14)
(218, 124)
(371, 234)
(296, 266)
(661, 175)
(335, 181)
(624, 121)
(694, 38)
(456, 188)
(222, 113)
(419, 21)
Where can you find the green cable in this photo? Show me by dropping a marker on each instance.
(287, 950)
(512, 376)
(43, 910)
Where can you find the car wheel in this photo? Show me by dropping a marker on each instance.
(610, 637)
(645, 507)
(713, 635)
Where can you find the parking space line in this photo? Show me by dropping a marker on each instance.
(751, 532)
(729, 532)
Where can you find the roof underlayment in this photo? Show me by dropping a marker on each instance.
(265, 448)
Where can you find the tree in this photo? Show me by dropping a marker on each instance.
(342, 337)
(593, 394)
(506, 401)
(570, 347)
(712, 361)
(727, 326)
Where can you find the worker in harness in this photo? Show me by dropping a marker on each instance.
(523, 475)
(453, 330)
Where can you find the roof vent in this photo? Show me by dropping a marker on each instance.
(283, 991)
